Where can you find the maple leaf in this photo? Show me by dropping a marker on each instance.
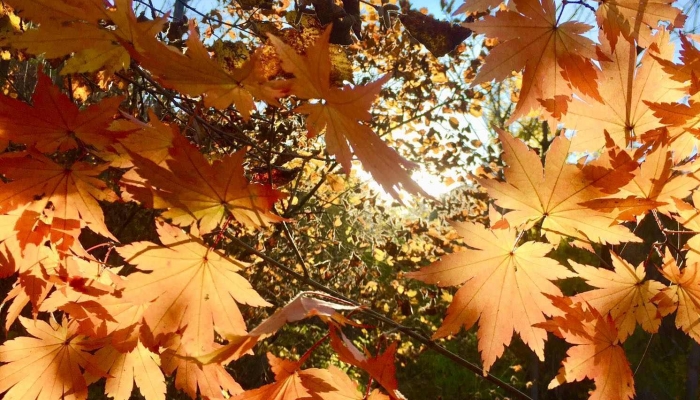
(312, 383)
(635, 19)
(687, 70)
(193, 288)
(81, 285)
(73, 191)
(79, 27)
(33, 224)
(623, 293)
(381, 367)
(504, 287)
(682, 296)
(195, 73)
(597, 353)
(555, 57)
(34, 264)
(555, 192)
(139, 365)
(682, 131)
(301, 307)
(54, 122)
(624, 209)
(656, 182)
(344, 113)
(47, 365)
(470, 6)
(151, 140)
(624, 116)
(192, 377)
(199, 192)
(689, 216)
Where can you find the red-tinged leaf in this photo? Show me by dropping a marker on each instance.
(203, 193)
(623, 293)
(657, 181)
(54, 122)
(597, 353)
(381, 367)
(682, 126)
(627, 209)
(293, 383)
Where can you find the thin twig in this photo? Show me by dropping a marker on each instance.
(300, 257)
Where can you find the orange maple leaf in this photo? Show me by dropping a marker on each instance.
(151, 140)
(682, 131)
(682, 296)
(624, 116)
(504, 287)
(195, 73)
(635, 19)
(48, 365)
(71, 191)
(343, 113)
(555, 192)
(380, 367)
(139, 365)
(597, 352)
(555, 57)
(623, 293)
(313, 383)
(657, 182)
(54, 122)
(33, 263)
(192, 377)
(199, 192)
(688, 70)
(193, 289)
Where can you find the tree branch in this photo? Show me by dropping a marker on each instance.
(377, 316)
